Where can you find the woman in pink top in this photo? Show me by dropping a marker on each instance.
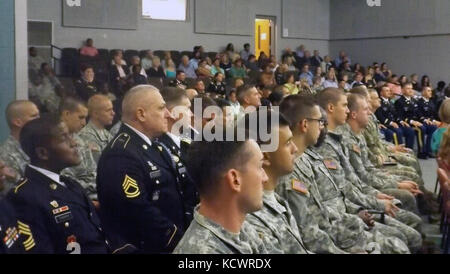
(89, 50)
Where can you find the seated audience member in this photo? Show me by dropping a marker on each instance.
(216, 67)
(221, 180)
(34, 60)
(187, 67)
(73, 113)
(200, 86)
(439, 94)
(265, 92)
(345, 69)
(252, 64)
(358, 68)
(427, 111)
(263, 59)
(275, 220)
(217, 86)
(394, 85)
(330, 80)
(379, 76)
(147, 61)
(203, 71)
(208, 62)
(86, 86)
(316, 60)
(300, 52)
(166, 59)
(156, 70)
(415, 81)
(291, 84)
(196, 57)
(368, 80)
(94, 134)
(342, 58)
(385, 70)
(89, 50)
(276, 97)
(230, 53)
(18, 113)
(319, 73)
(136, 78)
(135, 60)
(238, 70)
(305, 60)
(444, 117)
(226, 63)
(358, 80)
(119, 54)
(237, 83)
(225, 117)
(406, 107)
(63, 219)
(118, 74)
(245, 53)
(51, 90)
(280, 74)
(425, 82)
(232, 98)
(267, 77)
(170, 69)
(326, 64)
(179, 80)
(249, 98)
(317, 84)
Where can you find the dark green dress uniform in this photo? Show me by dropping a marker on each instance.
(190, 194)
(63, 218)
(140, 195)
(16, 236)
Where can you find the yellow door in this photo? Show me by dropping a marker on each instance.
(262, 37)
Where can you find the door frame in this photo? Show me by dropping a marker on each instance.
(52, 39)
(273, 33)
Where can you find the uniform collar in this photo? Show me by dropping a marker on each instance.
(50, 174)
(425, 99)
(175, 139)
(385, 99)
(270, 199)
(140, 134)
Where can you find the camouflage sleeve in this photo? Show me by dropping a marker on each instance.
(315, 239)
(271, 244)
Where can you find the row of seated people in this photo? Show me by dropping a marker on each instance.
(144, 180)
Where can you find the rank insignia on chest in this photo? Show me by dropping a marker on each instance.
(130, 187)
(356, 149)
(11, 236)
(176, 158)
(60, 210)
(330, 164)
(299, 186)
(54, 204)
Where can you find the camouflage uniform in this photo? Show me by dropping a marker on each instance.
(390, 239)
(96, 139)
(206, 237)
(276, 222)
(15, 158)
(337, 161)
(407, 164)
(115, 129)
(86, 172)
(366, 171)
(322, 231)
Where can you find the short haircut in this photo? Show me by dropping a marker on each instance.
(173, 96)
(329, 96)
(353, 101)
(242, 91)
(361, 90)
(297, 108)
(132, 98)
(13, 110)
(38, 133)
(206, 170)
(406, 84)
(179, 72)
(276, 97)
(246, 45)
(95, 101)
(84, 67)
(265, 116)
(70, 104)
(288, 75)
(206, 102)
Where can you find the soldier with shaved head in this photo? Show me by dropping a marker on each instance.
(17, 114)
